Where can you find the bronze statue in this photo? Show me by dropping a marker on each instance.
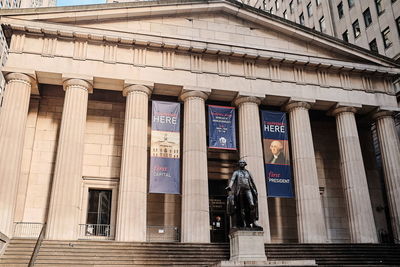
(242, 202)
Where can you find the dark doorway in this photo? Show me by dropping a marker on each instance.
(99, 212)
(219, 221)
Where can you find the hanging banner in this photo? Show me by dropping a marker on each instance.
(276, 154)
(221, 127)
(165, 148)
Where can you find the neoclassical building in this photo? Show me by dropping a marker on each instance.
(75, 123)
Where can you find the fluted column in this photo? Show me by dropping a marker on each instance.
(310, 216)
(390, 151)
(132, 199)
(13, 117)
(66, 190)
(250, 143)
(359, 209)
(195, 199)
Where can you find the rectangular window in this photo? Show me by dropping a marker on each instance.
(264, 5)
(373, 46)
(291, 7)
(340, 10)
(309, 10)
(99, 212)
(367, 17)
(301, 19)
(322, 25)
(386, 38)
(345, 36)
(356, 29)
(277, 5)
(379, 7)
(351, 3)
(285, 14)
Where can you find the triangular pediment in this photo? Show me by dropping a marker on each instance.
(223, 26)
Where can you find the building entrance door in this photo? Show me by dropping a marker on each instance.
(219, 221)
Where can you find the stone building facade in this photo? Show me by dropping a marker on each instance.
(75, 128)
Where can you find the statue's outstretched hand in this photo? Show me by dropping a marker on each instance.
(228, 188)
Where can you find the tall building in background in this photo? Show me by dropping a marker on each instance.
(3, 44)
(372, 24)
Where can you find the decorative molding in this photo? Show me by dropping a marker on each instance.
(367, 83)
(322, 78)
(196, 63)
(345, 80)
(17, 43)
(223, 66)
(168, 59)
(139, 56)
(249, 69)
(299, 75)
(110, 53)
(80, 50)
(49, 46)
(274, 72)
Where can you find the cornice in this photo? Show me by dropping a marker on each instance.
(195, 46)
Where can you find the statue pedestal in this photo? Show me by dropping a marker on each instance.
(247, 249)
(247, 245)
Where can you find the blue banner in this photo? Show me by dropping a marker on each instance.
(165, 148)
(221, 127)
(276, 154)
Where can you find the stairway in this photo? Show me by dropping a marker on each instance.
(110, 253)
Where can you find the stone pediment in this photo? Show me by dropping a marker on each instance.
(218, 27)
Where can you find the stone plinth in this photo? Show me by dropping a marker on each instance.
(247, 249)
(247, 246)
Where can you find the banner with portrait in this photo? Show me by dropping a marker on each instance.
(221, 127)
(165, 148)
(276, 154)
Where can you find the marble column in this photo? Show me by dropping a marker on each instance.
(63, 217)
(195, 199)
(359, 209)
(250, 144)
(310, 216)
(390, 151)
(13, 116)
(132, 198)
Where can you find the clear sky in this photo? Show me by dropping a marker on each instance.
(78, 2)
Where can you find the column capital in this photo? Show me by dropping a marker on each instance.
(379, 114)
(76, 82)
(197, 94)
(296, 104)
(137, 88)
(246, 99)
(340, 109)
(21, 77)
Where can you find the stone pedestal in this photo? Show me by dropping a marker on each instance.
(247, 246)
(247, 249)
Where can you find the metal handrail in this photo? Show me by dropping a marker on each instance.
(27, 230)
(96, 231)
(37, 246)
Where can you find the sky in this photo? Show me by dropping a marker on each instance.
(78, 2)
